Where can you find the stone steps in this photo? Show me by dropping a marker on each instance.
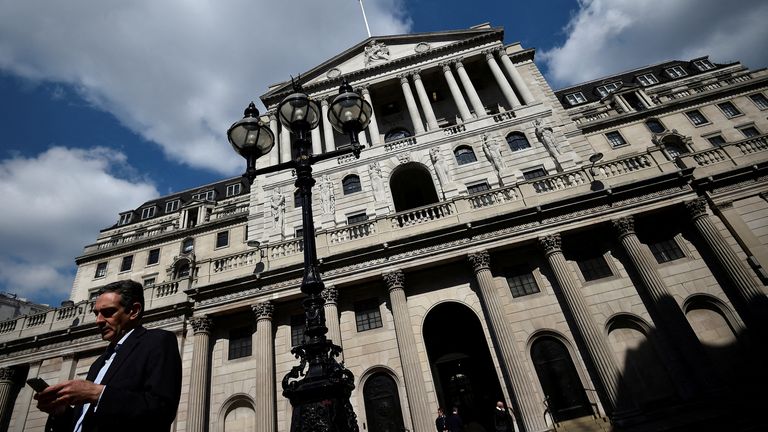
(584, 424)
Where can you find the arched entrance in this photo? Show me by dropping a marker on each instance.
(559, 379)
(461, 364)
(412, 187)
(382, 404)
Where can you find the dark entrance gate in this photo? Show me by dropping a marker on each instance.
(559, 379)
(382, 404)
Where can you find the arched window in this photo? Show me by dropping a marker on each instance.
(351, 184)
(188, 245)
(297, 199)
(382, 404)
(655, 126)
(464, 155)
(397, 134)
(517, 141)
(182, 269)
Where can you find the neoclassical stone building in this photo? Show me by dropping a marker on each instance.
(596, 254)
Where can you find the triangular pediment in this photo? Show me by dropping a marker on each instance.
(379, 51)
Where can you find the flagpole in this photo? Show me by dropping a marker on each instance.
(365, 18)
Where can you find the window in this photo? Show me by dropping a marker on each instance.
(147, 213)
(205, 196)
(222, 239)
(478, 187)
(188, 245)
(356, 218)
(666, 250)
(575, 98)
(127, 263)
(615, 139)
(750, 131)
(183, 269)
(676, 72)
(101, 270)
(605, 90)
(464, 155)
(351, 184)
(125, 218)
(233, 189)
(647, 79)
(172, 206)
(517, 141)
(594, 268)
(148, 282)
(297, 199)
(716, 140)
(297, 330)
(397, 134)
(703, 65)
(298, 233)
(655, 126)
(634, 101)
(729, 109)
(521, 281)
(153, 257)
(240, 343)
(760, 100)
(367, 315)
(696, 117)
(534, 173)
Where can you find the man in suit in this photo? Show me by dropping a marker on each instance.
(134, 386)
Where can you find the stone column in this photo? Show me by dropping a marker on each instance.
(410, 102)
(506, 89)
(8, 378)
(199, 379)
(426, 105)
(373, 126)
(678, 341)
(530, 408)
(330, 145)
(421, 413)
(743, 284)
(285, 144)
(598, 352)
(274, 154)
(265, 369)
(517, 79)
(317, 142)
(456, 93)
(331, 295)
(469, 88)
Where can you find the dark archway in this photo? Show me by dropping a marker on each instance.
(559, 379)
(412, 187)
(382, 404)
(461, 364)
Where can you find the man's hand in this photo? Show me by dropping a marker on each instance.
(57, 397)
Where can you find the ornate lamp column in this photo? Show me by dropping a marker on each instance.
(406, 342)
(529, 408)
(265, 361)
(199, 380)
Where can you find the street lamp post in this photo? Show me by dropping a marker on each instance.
(318, 387)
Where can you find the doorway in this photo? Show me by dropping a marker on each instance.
(382, 404)
(559, 379)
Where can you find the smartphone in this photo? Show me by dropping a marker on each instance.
(37, 384)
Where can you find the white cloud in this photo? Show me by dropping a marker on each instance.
(179, 72)
(51, 204)
(610, 36)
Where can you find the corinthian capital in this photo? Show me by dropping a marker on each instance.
(263, 310)
(480, 260)
(8, 374)
(624, 226)
(551, 243)
(394, 279)
(330, 294)
(201, 324)
(696, 208)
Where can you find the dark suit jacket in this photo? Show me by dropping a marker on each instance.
(143, 386)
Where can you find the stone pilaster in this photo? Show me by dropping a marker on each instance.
(9, 377)
(528, 403)
(274, 155)
(410, 102)
(421, 414)
(330, 144)
(469, 88)
(199, 380)
(426, 105)
(517, 79)
(506, 89)
(265, 369)
(373, 126)
(598, 352)
(453, 86)
(331, 295)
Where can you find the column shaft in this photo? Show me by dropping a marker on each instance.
(317, 142)
(285, 144)
(373, 126)
(469, 88)
(598, 352)
(421, 414)
(426, 105)
(517, 79)
(199, 380)
(530, 409)
(331, 294)
(8, 376)
(506, 89)
(456, 93)
(274, 155)
(410, 102)
(265, 369)
(330, 145)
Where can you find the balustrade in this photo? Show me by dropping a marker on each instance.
(422, 215)
(559, 182)
(493, 197)
(234, 261)
(624, 166)
(352, 232)
(400, 144)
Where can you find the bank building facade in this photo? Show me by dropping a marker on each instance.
(596, 256)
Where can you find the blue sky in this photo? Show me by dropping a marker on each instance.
(106, 104)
